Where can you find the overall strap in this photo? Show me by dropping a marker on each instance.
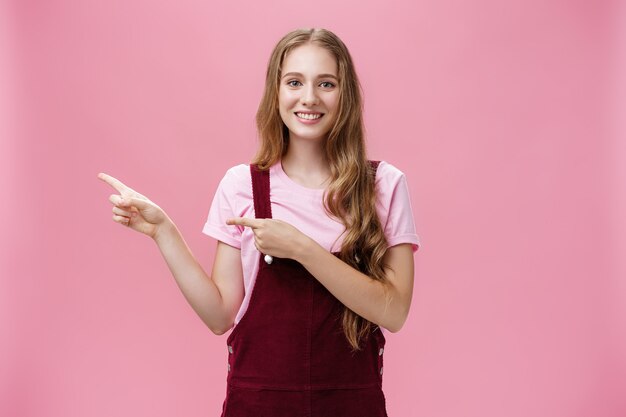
(374, 166)
(261, 192)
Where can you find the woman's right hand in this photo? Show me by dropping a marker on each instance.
(133, 209)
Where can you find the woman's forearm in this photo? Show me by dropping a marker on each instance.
(386, 304)
(196, 285)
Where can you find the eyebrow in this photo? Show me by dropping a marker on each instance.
(300, 75)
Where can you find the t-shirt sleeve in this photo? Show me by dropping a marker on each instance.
(223, 207)
(395, 209)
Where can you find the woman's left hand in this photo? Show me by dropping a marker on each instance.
(274, 237)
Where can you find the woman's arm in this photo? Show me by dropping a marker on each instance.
(384, 304)
(215, 299)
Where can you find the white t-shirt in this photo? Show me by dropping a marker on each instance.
(303, 208)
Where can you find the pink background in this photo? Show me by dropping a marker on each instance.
(507, 118)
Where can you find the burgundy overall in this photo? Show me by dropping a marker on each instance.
(288, 356)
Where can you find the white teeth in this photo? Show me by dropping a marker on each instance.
(308, 116)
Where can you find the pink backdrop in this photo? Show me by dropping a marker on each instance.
(507, 118)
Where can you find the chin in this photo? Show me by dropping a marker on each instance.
(309, 135)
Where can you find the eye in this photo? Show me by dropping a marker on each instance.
(327, 84)
(291, 83)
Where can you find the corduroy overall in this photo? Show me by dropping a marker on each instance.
(288, 356)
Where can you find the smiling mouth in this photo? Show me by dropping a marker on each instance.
(309, 116)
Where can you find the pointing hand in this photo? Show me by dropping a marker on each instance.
(133, 209)
(274, 237)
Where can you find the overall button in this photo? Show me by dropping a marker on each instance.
(229, 367)
(230, 349)
(381, 370)
(380, 352)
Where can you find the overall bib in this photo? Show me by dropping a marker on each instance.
(288, 356)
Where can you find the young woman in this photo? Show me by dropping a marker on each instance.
(315, 246)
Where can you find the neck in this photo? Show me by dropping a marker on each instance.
(306, 163)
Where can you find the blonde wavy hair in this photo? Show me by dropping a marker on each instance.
(351, 195)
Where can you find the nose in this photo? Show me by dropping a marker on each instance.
(309, 96)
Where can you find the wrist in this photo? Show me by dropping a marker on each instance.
(304, 249)
(164, 231)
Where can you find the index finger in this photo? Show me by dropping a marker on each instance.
(113, 182)
(244, 221)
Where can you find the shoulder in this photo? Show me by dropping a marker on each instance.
(388, 176)
(238, 176)
(394, 206)
(238, 172)
(236, 183)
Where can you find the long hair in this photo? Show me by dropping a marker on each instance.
(351, 195)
